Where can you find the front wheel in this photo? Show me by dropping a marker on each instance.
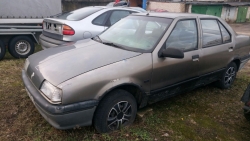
(21, 47)
(228, 76)
(116, 110)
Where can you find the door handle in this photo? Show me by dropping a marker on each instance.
(230, 49)
(195, 57)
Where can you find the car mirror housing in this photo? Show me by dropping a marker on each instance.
(171, 53)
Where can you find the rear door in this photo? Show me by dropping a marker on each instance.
(217, 46)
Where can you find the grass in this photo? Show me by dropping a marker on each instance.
(207, 113)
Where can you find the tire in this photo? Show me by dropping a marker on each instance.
(2, 50)
(247, 115)
(109, 109)
(21, 47)
(228, 76)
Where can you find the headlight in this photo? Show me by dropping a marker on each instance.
(53, 93)
(26, 64)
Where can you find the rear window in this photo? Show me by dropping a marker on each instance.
(78, 14)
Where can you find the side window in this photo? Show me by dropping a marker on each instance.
(100, 19)
(226, 37)
(117, 15)
(210, 33)
(184, 36)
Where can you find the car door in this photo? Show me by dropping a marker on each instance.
(171, 75)
(217, 46)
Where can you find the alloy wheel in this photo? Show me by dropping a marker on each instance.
(229, 76)
(119, 115)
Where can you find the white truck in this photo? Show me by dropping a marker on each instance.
(21, 24)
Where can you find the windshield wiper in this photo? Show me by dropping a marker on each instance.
(111, 44)
(97, 38)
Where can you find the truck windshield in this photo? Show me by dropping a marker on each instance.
(136, 33)
(78, 14)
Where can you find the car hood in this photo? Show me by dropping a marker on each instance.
(65, 62)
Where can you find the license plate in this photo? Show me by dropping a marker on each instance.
(56, 28)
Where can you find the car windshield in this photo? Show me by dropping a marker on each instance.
(78, 14)
(136, 33)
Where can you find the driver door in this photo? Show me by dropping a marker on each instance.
(171, 75)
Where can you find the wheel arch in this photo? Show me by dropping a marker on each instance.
(237, 62)
(134, 89)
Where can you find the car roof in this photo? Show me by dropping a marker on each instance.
(173, 15)
(139, 9)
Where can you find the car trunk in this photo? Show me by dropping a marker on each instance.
(53, 28)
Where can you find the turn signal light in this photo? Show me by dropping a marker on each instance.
(67, 30)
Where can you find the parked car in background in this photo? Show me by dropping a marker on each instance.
(246, 99)
(81, 24)
(140, 60)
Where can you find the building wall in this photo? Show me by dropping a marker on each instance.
(229, 14)
(208, 0)
(248, 14)
(170, 7)
(135, 3)
(217, 0)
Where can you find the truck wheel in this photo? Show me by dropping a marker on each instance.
(21, 47)
(228, 76)
(116, 110)
(2, 50)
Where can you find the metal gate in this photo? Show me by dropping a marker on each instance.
(214, 10)
(229, 14)
(242, 13)
(199, 9)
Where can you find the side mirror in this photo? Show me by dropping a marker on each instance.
(171, 53)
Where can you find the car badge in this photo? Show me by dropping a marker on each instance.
(32, 75)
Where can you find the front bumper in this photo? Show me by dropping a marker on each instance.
(61, 116)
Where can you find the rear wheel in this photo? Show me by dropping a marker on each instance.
(116, 110)
(21, 47)
(2, 50)
(228, 76)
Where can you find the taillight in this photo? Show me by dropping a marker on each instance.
(42, 25)
(67, 30)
